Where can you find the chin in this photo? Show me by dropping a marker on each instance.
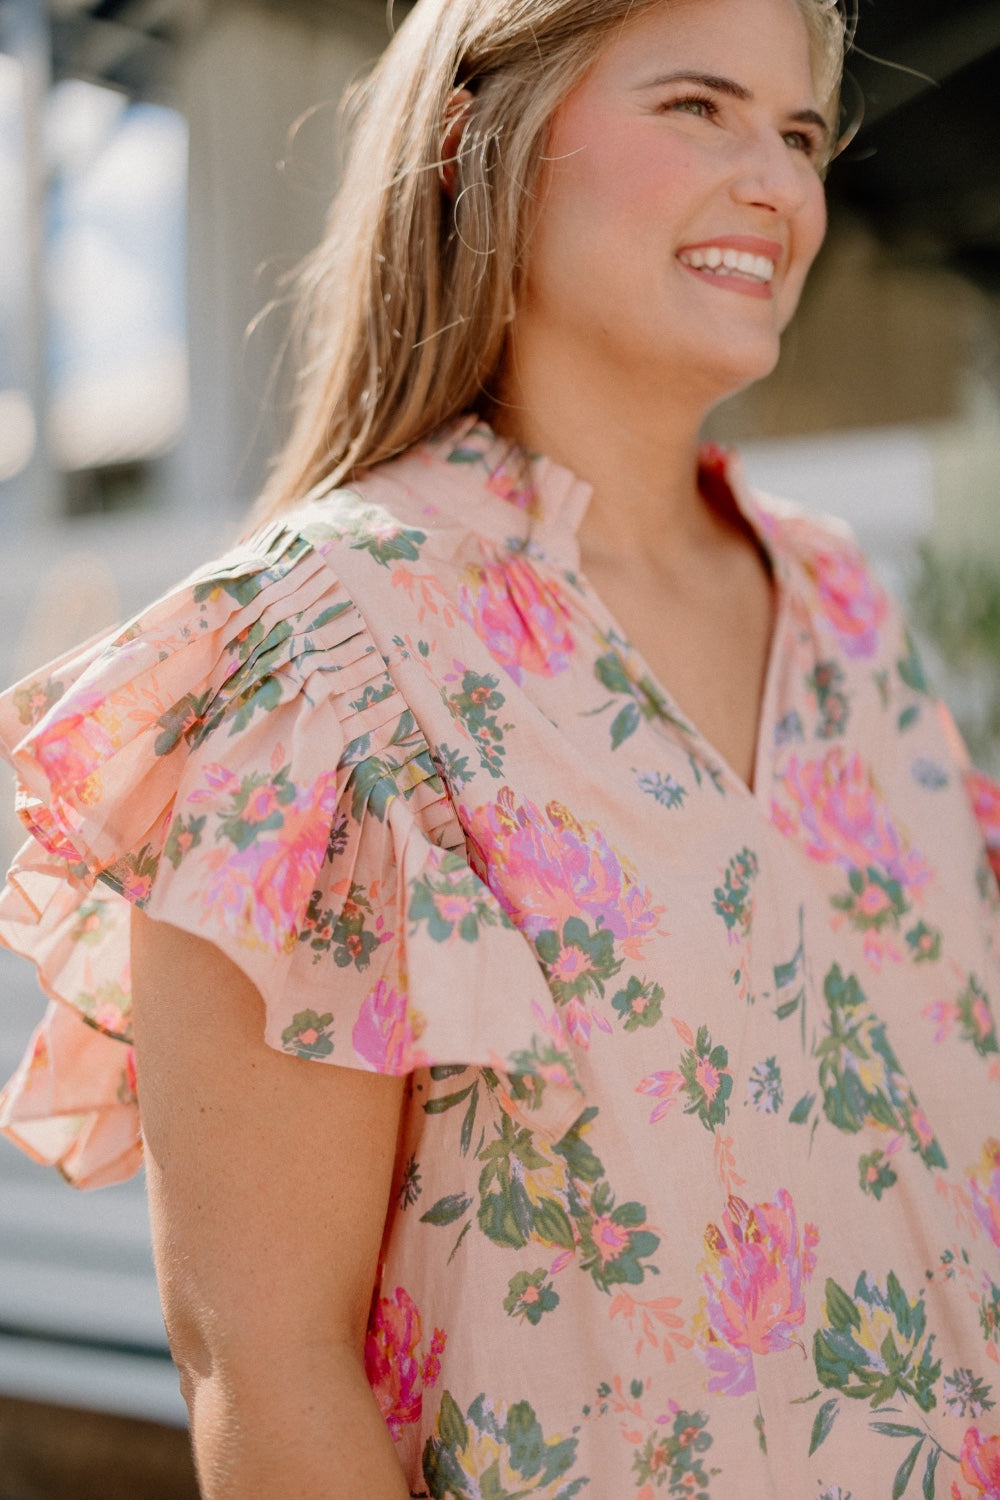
(724, 380)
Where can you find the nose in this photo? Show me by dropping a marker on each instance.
(772, 175)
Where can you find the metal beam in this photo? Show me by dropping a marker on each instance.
(929, 59)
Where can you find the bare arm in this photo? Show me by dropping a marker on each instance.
(269, 1181)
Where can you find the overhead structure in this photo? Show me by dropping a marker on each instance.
(924, 170)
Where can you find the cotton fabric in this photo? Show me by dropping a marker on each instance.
(698, 1190)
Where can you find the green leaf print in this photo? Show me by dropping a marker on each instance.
(789, 974)
(734, 899)
(556, 1196)
(444, 1102)
(989, 1313)
(800, 1114)
(309, 1034)
(639, 1004)
(624, 724)
(930, 1468)
(257, 807)
(133, 875)
(905, 1470)
(34, 700)
(530, 1295)
(827, 681)
(497, 1453)
(344, 933)
(453, 902)
(645, 702)
(476, 704)
(447, 1210)
(611, 672)
(823, 1423)
(975, 1018)
(180, 722)
(374, 531)
(876, 1174)
(614, 1242)
(924, 943)
(708, 1083)
(873, 900)
(673, 1457)
(862, 1082)
(911, 668)
(185, 835)
(875, 1346)
(578, 961)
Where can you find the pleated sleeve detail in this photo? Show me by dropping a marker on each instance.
(240, 763)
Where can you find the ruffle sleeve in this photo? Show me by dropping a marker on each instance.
(984, 794)
(240, 763)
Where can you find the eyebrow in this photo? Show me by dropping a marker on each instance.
(735, 91)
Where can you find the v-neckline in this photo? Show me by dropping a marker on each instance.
(638, 670)
(538, 506)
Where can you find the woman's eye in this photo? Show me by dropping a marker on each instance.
(694, 104)
(802, 140)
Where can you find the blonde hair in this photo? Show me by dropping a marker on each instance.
(402, 309)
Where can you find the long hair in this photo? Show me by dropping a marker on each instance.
(402, 310)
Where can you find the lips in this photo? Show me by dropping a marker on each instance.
(728, 262)
(743, 260)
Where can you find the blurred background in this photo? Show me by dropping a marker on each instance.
(163, 165)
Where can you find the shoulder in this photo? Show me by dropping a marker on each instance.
(821, 560)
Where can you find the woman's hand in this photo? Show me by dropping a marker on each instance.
(269, 1181)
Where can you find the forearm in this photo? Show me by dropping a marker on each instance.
(312, 1433)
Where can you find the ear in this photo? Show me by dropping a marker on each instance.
(456, 118)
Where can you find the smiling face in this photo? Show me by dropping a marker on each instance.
(680, 205)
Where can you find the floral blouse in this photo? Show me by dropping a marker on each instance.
(698, 1189)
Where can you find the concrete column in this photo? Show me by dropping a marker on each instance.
(31, 498)
(258, 197)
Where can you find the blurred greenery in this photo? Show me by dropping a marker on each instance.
(954, 603)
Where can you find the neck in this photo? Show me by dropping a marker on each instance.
(638, 451)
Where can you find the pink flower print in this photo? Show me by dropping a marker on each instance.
(580, 1020)
(136, 887)
(985, 795)
(571, 965)
(984, 1185)
(850, 600)
(262, 891)
(131, 1080)
(754, 1274)
(980, 1467)
(71, 751)
(396, 1373)
(261, 803)
(453, 906)
(837, 811)
(511, 480)
(665, 1087)
(610, 1239)
(523, 621)
(545, 868)
(980, 1018)
(386, 1030)
(920, 1125)
(709, 1078)
(943, 1014)
(873, 900)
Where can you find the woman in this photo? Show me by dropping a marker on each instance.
(586, 818)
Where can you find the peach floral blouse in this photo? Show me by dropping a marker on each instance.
(698, 1191)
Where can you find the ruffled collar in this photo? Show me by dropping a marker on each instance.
(535, 505)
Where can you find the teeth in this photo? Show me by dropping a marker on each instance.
(730, 262)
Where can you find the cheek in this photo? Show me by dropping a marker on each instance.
(815, 221)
